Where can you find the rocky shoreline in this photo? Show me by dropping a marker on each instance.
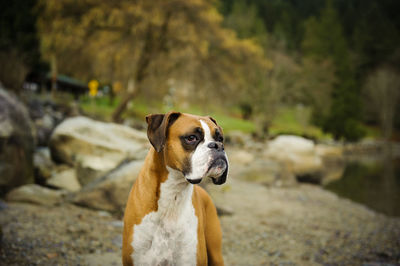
(302, 225)
(68, 210)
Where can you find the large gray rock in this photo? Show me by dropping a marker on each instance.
(254, 168)
(33, 193)
(46, 115)
(64, 178)
(17, 135)
(330, 153)
(240, 157)
(267, 172)
(95, 148)
(110, 192)
(298, 154)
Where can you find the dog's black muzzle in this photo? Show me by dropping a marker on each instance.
(219, 162)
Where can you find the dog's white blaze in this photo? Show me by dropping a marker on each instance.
(168, 236)
(202, 156)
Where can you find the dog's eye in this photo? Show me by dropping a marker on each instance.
(191, 139)
(218, 137)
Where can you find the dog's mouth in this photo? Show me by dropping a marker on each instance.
(194, 181)
(218, 171)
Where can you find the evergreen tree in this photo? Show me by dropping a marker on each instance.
(245, 21)
(324, 39)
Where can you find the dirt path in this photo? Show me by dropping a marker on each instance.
(304, 225)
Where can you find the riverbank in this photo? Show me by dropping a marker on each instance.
(303, 225)
(300, 225)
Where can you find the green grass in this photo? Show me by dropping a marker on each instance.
(294, 121)
(288, 120)
(100, 108)
(138, 108)
(228, 121)
(372, 132)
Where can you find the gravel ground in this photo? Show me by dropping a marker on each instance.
(63, 235)
(303, 225)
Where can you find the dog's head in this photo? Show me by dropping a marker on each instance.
(190, 144)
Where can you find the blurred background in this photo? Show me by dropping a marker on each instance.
(307, 93)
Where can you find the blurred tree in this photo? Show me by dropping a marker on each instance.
(147, 42)
(19, 46)
(323, 40)
(63, 39)
(284, 19)
(266, 87)
(317, 80)
(283, 81)
(245, 21)
(372, 29)
(338, 50)
(279, 85)
(383, 93)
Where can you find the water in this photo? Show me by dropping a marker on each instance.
(375, 184)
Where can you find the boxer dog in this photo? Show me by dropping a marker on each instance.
(168, 219)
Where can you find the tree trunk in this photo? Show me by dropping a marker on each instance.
(116, 116)
(142, 65)
(54, 75)
(154, 45)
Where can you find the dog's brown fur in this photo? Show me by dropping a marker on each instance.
(145, 192)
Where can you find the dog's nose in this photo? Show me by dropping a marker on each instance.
(216, 145)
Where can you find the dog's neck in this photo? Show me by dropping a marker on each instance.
(175, 195)
(173, 192)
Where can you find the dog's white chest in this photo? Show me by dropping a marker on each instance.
(168, 236)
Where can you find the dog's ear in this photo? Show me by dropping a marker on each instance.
(157, 128)
(212, 119)
(215, 122)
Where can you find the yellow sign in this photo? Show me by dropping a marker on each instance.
(93, 87)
